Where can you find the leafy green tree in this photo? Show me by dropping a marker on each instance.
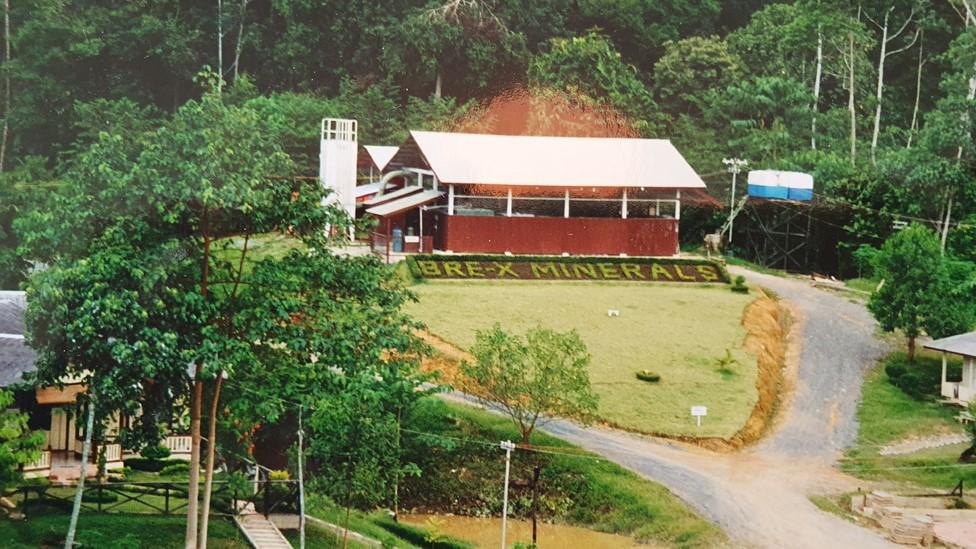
(690, 69)
(592, 66)
(915, 290)
(19, 188)
(543, 374)
(18, 445)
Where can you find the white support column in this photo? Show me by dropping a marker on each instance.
(943, 371)
(623, 206)
(420, 179)
(450, 200)
(435, 182)
(677, 205)
(566, 204)
(657, 208)
(508, 205)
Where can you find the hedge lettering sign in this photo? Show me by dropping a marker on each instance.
(603, 269)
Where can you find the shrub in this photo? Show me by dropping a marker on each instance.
(894, 370)
(739, 285)
(648, 376)
(150, 465)
(155, 452)
(419, 536)
(174, 469)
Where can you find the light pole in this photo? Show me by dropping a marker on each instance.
(733, 166)
(508, 446)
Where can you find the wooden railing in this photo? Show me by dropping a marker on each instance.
(43, 462)
(178, 444)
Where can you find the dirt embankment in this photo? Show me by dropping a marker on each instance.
(769, 324)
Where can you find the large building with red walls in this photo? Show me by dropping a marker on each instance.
(482, 193)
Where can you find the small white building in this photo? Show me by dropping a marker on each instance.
(964, 345)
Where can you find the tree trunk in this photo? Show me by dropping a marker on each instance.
(918, 91)
(816, 90)
(220, 45)
(211, 451)
(69, 540)
(240, 38)
(6, 83)
(345, 530)
(437, 84)
(880, 90)
(945, 225)
(850, 98)
(193, 490)
(911, 348)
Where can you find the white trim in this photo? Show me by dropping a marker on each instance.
(11, 336)
(450, 200)
(566, 204)
(623, 205)
(508, 204)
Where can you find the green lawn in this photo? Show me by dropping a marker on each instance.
(576, 487)
(888, 414)
(678, 331)
(46, 527)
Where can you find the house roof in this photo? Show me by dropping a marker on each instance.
(386, 197)
(380, 155)
(16, 358)
(962, 344)
(508, 160)
(405, 203)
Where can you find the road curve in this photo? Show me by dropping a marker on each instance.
(760, 496)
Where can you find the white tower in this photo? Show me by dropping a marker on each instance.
(337, 162)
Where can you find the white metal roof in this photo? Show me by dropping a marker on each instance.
(405, 203)
(367, 189)
(962, 344)
(386, 197)
(483, 159)
(381, 154)
(779, 178)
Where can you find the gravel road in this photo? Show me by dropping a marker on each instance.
(760, 496)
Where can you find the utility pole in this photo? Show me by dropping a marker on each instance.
(535, 485)
(733, 166)
(508, 446)
(301, 483)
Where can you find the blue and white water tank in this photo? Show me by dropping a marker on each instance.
(780, 185)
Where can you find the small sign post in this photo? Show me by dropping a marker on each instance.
(699, 412)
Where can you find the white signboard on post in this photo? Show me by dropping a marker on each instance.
(699, 412)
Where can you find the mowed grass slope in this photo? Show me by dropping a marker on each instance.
(678, 331)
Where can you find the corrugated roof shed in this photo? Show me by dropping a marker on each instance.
(484, 159)
(962, 344)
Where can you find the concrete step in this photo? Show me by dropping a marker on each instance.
(260, 532)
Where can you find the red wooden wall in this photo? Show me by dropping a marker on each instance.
(557, 235)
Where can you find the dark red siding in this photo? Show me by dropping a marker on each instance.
(557, 235)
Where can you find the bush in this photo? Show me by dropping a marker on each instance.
(920, 379)
(155, 452)
(419, 536)
(174, 469)
(739, 285)
(894, 370)
(648, 376)
(150, 465)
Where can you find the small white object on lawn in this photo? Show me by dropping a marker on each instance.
(699, 412)
(613, 312)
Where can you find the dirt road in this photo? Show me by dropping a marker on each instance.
(760, 496)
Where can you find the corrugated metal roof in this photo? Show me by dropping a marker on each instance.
(405, 203)
(962, 344)
(386, 197)
(483, 159)
(381, 154)
(16, 358)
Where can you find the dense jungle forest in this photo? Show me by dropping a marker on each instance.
(875, 99)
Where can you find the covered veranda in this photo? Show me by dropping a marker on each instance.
(962, 391)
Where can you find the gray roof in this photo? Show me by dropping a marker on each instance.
(12, 305)
(16, 358)
(962, 344)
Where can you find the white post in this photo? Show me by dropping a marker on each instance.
(371, 180)
(434, 177)
(943, 371)
(420, 179)
(508, 206)
(731, 207)
(301, 484)
(623, 206)
(677, 205)
(450, 200)
(422, 210)
(69, 540)
(508, 446)
(566, 204)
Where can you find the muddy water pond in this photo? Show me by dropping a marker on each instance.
(486, 533)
